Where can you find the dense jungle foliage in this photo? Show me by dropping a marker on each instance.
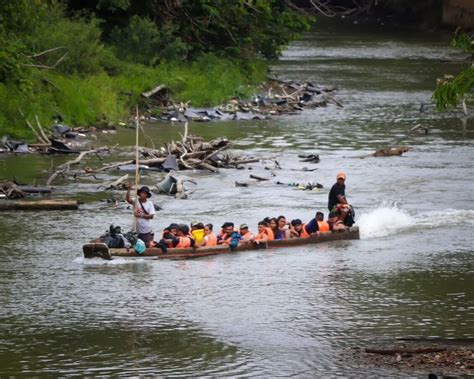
(88, 61)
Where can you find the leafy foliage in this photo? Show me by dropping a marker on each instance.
(454, 89)
(173, 29)
(78, 58)
(143, 42)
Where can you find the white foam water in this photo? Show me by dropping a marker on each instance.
(102, 262)
(389, 219)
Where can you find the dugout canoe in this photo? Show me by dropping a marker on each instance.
(101, 250)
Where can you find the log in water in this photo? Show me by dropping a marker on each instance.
(38, 205)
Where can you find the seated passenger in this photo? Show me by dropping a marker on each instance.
(283, 227)
(245, 234)
(210, 239)
(298, 229)
(335, 222)
(323, 226)
(228, 236)
(273, 225)
(170, 230)
(264, 233)
(197, 231)
(312, 227)
(182, 238)
(337, 200)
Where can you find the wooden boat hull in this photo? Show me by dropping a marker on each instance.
(100, 250)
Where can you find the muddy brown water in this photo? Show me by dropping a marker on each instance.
(281, 312)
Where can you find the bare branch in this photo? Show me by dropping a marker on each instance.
(46, 52)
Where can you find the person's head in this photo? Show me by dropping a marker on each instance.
(341, 177)
(261, 226)
(281, 222)
(319, 216)
(244, 228)
(267, 220)
(228, 227)
(199, 226)
(273, 223)
(333, 217)
(183, 230)
(208, 228)
(297, 224)
(144, 193)
(173, 228)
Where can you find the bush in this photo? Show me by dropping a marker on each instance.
(143, 42)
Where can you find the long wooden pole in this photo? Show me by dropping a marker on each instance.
(137, 169)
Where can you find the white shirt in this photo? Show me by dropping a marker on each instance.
(144, 225)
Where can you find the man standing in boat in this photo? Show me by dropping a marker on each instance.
(337, 200)
(144, 210)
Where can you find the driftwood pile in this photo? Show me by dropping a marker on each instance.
(276, 97)
(193, 152)
(447, 359)
(59, 140)
(11, 191)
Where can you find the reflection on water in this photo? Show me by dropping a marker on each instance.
(280, 312)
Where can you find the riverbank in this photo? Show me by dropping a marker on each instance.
(106, 98)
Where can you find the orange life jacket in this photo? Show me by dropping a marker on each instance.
(267, 233)
(323, 227)
(211, 239)
(184, 242)
(304, 233)
(247, 236)
(270, 234)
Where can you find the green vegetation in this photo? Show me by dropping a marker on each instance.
(455, 89)
(88, 61)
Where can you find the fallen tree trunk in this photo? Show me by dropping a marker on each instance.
(259, 178)
(32, 189)
(39, 205)
(207, 166)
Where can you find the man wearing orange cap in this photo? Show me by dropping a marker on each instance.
(337, 199)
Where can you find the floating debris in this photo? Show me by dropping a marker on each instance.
(277, 97)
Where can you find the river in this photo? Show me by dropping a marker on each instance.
(288, 312)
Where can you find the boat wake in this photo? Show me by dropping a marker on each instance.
(103, 262)
(389, 219)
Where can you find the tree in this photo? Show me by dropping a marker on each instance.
(453, 90)
(150, 32)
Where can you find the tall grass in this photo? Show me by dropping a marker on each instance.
(104, 98)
